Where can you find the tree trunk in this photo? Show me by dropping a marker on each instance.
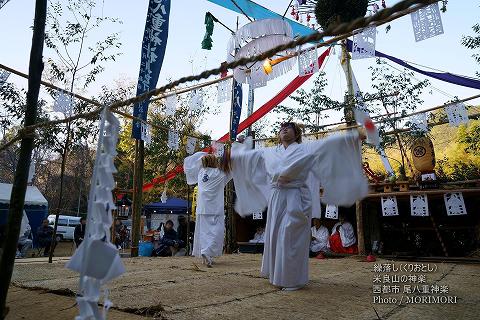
(17, 198)
(137, 195)
(60, 194)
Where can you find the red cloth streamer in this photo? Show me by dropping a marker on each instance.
(260, 112)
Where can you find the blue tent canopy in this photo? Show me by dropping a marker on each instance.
(172, 206)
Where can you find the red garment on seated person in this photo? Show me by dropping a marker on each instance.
(337, 247)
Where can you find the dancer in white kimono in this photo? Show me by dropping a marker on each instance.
(211, 176)
(279, 177)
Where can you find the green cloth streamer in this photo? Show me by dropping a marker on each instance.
(207, 39)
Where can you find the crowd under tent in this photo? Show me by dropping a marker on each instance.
(36, 207)
(159, 212)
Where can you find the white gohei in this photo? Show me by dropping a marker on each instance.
(196, 100)
(455, 204)
(419, 205)
(146, 134)
(427, 22)
(97, 259)
(389, 206)
(364, 43)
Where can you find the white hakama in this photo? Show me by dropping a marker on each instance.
(210, 215)
(282, 180)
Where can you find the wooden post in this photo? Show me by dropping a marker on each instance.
(137, 195)
(17, 198)
(360, 229)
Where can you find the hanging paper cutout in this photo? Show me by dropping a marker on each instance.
(31, 171)
(427, 22)
(171, 105)
(218, 148)
(224, 91)
(4, 74)
(196, 100)
(173, 138)
(63, 103)
(257, 81)
(364, 43)
(163, 197)
(389, 206)
(419, 205)
(457, 114)
(331, 212)
(146, 133)
(454, 204)
(308, 61)
(419, 122)
(257, 216)
(97, 259)
(191, 143)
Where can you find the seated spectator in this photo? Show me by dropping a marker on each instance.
(319, 241)
(259, 236)
(44, 235)
(343, 238)
(169, 243)
(79, 232)
(182, 231)
(121, 233)
(24, 241)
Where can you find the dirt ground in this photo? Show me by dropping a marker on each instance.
(181, 288)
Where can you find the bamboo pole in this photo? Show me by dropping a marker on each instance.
(17, 198)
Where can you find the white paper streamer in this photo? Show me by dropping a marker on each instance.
(457, 114)
(173, 139)
(191, 143)
(427, 22)
(171, 105)
(419, 205)
(224, 91)
(454, 204)
(97, 259)
(218, 147)
(364, 43)
(163, 197)
(389, 206)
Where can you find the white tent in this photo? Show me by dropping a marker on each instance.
(32, 197)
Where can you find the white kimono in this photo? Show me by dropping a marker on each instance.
(280, 179)
(321, 236)
(347, 235)
(210, 215)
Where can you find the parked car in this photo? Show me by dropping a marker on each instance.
(66, 226)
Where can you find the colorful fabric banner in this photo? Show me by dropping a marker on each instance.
(259, 12)
(153, 51)
(443, 76)
(236, 111)
(260, 112)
